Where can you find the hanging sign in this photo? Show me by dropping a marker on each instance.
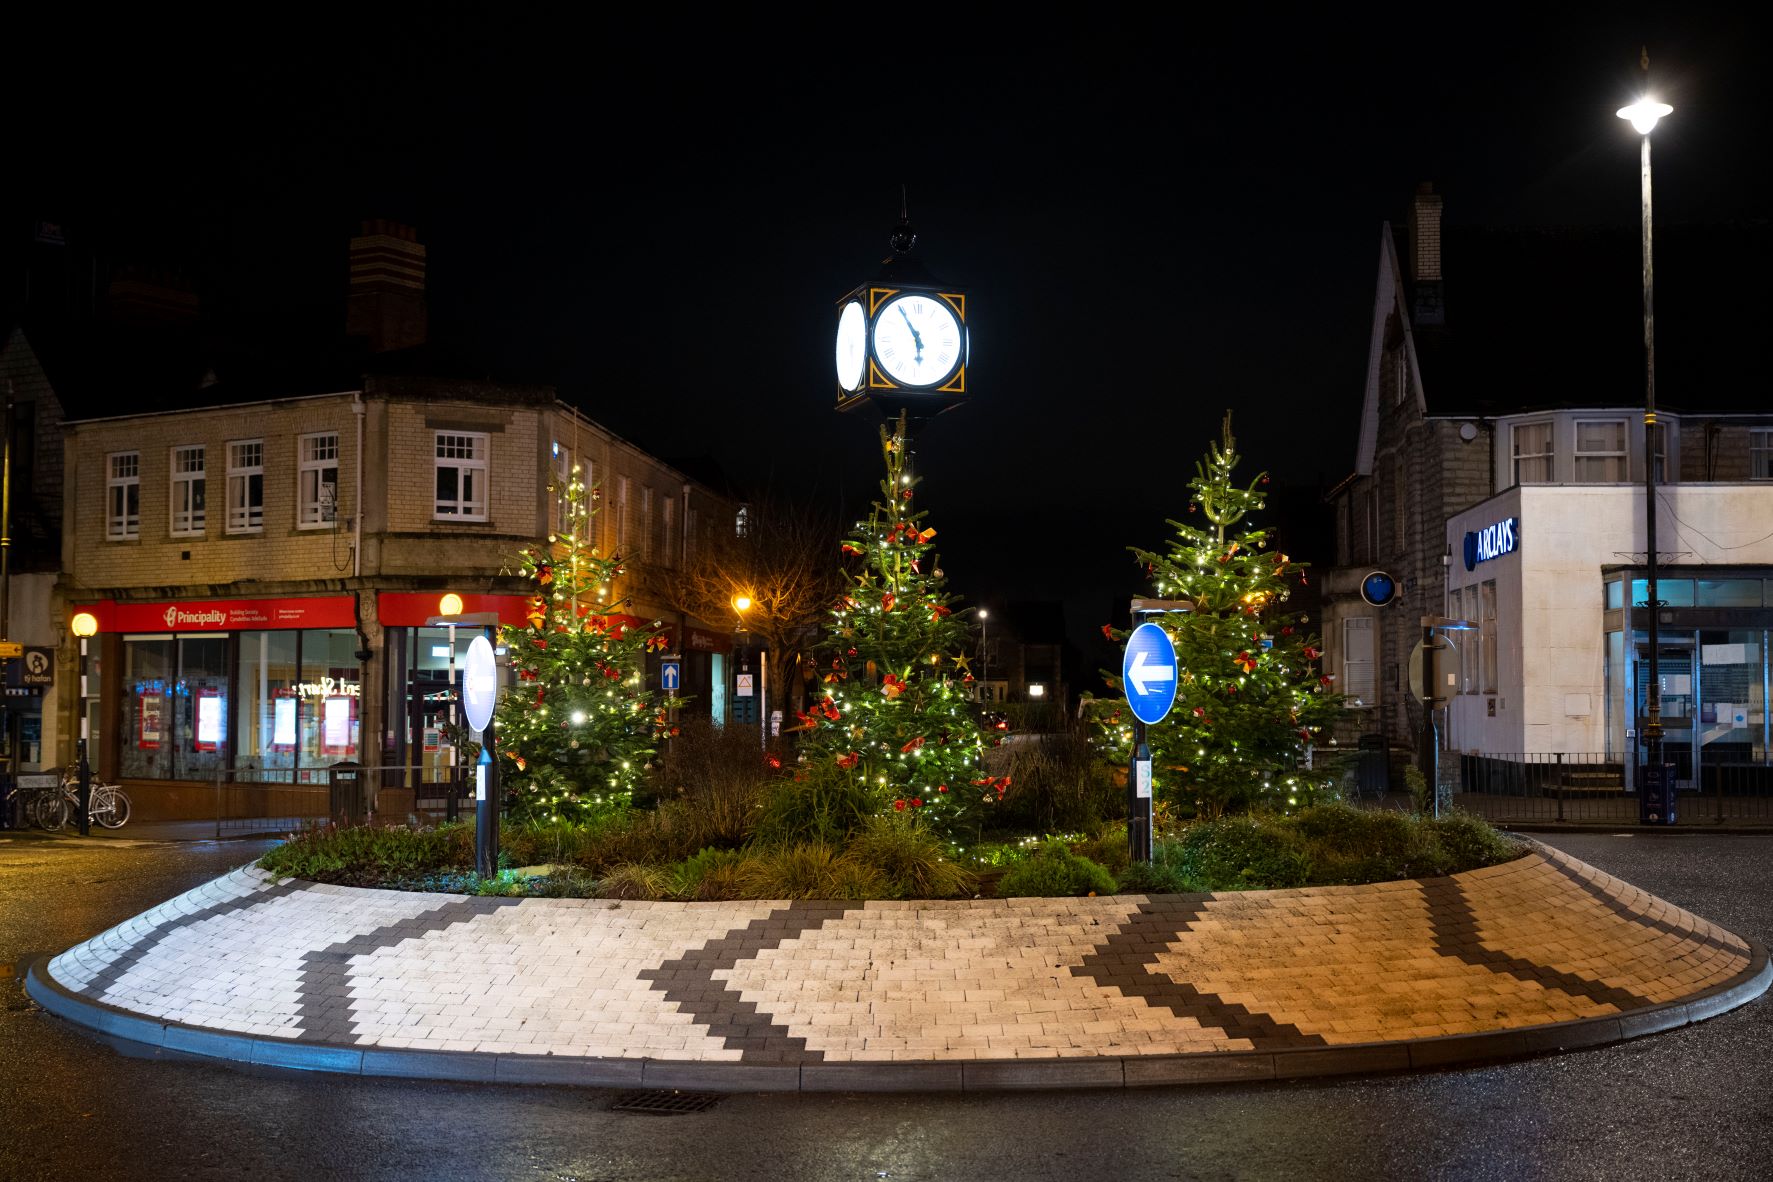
(1378, 588)
(480, 683)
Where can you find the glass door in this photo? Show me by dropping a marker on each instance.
(1677, 668)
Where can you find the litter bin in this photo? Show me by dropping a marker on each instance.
(348, 793)
(1373, 767)
(1656, 794)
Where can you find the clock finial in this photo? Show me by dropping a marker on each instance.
(903, 237)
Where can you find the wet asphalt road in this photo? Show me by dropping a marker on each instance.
(1694, 1103)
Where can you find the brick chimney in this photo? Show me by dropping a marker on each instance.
(1425, 257)
(386, 306)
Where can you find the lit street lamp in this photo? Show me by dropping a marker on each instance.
(985, 652)
(1656, 781)
(742, 604)
(85, 626)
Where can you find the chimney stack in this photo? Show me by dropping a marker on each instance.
(1425, 257)
(386, 306)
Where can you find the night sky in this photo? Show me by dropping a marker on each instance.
(1155, 218)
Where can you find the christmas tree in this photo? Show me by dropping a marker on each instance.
(1250, 695)
(576, 729)
(895, 711)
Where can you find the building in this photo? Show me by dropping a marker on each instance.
(264, 545)
(1499, 478)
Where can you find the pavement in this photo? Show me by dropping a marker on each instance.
(1541, 954)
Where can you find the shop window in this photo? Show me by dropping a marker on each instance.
(123, 496)
(1532, 453)
(1727, 593)
(1357, 662)
(1487, 633)
(268, 701)
(317, 479)
(1669, 592)
(1600, 451)
(1760, 453)
(330, 696)
(175, 707)
(189, 513)
(461, 475)
(246, 486)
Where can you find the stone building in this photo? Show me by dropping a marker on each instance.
(1499, 479)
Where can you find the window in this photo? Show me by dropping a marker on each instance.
(1659, 436)
(670, 531)
(1357, 661)
(189, 515)
(246, 486)
(646, 522)
(1600, 451)
(1532, 453)
(123, 496)
(1760, 454)
(624, 519)
(691, 526)
(1487, 625)
(317, 478)
(1400, 378)
(1400, 511)
(742, 521)
(461, 475)
(563, 478)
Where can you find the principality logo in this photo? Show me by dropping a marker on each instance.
(214, 618)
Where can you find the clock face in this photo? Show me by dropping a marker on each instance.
(917, 339)
(852, 345)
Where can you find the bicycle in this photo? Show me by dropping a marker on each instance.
(108, 804)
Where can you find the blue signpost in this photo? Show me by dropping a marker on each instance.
(670, 676)
(1148, 675)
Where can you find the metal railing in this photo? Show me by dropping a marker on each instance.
(1589, 788)
(281, 800)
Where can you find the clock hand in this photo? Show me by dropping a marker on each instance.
(916, 337)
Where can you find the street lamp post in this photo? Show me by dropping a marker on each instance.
(985, 652)
(1643, 116)
(741, 649)
(450, 606)
(84, 625)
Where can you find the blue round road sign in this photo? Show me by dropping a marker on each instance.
(1148, 673)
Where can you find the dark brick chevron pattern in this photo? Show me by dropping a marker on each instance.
(689, 981)
(1124, 962)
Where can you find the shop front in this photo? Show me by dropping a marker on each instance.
(189, 688)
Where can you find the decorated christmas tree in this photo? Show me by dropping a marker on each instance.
(576, 729)
(1250, 695)
(894, 709)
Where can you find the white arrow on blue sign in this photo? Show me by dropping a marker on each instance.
(670, 674)
(1148, 673)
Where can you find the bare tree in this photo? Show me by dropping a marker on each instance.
(787, 562)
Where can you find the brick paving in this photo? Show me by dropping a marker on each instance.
(1542, 940)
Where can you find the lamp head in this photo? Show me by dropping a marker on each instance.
(84, 624)
(742, 602)
(450, 605)
(1644, 113)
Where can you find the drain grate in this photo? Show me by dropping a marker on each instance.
(665, 1103)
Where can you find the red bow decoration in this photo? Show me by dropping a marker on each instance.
(850, 760)
(926, 535)
(938, 611)
(1312, 654)
(773, 760)
(1107, 632)
(851, 548)
(913, 745)
(544, 575)
(537, 614)
(1245, 662)
(829, 709)
(891, 686)
(887, 601)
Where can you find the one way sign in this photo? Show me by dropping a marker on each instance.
(1148, 673)
(670, 675)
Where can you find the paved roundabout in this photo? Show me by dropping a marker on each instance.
(1540, 954)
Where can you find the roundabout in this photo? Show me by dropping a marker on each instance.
(1540, 954)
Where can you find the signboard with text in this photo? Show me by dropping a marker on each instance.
(223, 615)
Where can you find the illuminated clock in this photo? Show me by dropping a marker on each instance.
(852, 345)
(917, 339)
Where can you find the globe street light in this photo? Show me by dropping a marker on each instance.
(985, 652)
(1643, 116)
(85, 626)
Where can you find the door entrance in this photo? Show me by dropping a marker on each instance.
(1677, 669)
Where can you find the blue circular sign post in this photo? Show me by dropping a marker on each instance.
(1148, 676)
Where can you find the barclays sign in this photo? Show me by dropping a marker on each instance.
(1493, 541)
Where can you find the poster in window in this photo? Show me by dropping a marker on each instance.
(209, 720)
(283, 724)
(335, 734)
(149, 708)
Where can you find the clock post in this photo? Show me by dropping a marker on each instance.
(902, 340)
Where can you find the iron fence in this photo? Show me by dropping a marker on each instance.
(1589, 788)
(281, 800)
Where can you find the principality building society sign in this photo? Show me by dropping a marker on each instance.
(1493, 541)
